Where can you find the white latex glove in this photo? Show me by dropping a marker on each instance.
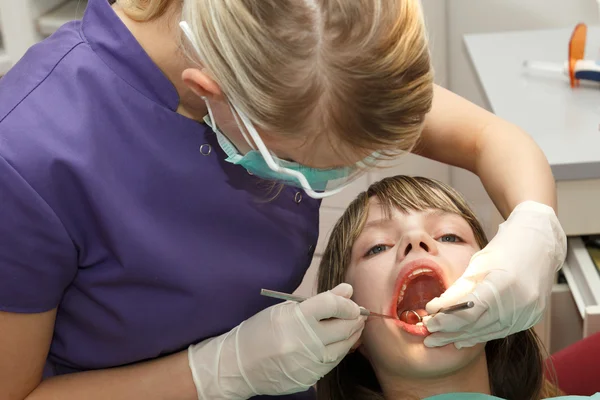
(510, 281)
(283, 349)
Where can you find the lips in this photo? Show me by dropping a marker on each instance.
(418, 282)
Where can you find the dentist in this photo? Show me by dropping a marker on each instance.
(161, 161)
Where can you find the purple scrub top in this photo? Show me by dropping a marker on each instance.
(123, 214)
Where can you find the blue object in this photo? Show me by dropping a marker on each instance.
(588, 75)
(587, 70)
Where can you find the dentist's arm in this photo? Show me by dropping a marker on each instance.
(510, 165)
(24, 344)
(285, 348)
(511, 278)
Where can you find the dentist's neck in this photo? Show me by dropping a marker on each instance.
(160, 38)
(473, 378)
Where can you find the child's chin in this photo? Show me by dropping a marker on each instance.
(440, 361)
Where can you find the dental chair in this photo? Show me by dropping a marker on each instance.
(577, 367)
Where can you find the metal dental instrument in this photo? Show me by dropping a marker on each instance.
(456, 307)
(446, 310)
(300, 299)
(363, 311)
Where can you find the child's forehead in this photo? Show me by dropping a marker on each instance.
(380, 211)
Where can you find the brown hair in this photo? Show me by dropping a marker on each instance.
(515, 363)
(356, 70)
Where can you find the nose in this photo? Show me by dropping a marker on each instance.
(415, 242)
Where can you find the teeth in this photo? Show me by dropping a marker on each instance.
(419, 324)
(419, 272)
(401, 296)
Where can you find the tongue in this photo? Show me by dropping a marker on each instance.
(418, 293)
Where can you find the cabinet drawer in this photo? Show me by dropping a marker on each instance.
(584, 282)
(578, 206)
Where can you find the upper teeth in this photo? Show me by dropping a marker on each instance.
(419, 272)
(415, 273)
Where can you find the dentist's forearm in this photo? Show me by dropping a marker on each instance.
(166, 378)
(510, 165)
(513, 168)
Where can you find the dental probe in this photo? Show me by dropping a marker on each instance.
(445, 310)
(457, 307)
(300, 299)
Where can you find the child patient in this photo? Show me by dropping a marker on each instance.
(400, 244)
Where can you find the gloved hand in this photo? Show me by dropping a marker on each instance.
(283, 349)
(510, 281)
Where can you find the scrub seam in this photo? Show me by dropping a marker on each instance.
(40, 82)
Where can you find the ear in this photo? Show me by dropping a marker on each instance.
(201, 83)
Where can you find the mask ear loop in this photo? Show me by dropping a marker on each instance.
(210, 113)
(240, 125)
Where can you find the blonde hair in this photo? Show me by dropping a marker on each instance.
(358, 70)
(515, 363)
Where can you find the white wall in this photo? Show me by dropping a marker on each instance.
(437, 27)
(18, 20)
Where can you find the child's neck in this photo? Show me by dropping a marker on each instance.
(473, 379)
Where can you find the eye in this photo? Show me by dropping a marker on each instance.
(450, 238)
(377, 249)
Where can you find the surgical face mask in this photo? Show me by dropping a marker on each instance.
(321, 180)
(317, 183)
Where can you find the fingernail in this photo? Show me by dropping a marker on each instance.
(346, 290)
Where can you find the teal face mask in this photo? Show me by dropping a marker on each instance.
(255, 164)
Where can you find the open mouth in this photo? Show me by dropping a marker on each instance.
(417, 286)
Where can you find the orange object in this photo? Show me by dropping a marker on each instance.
(576, 50)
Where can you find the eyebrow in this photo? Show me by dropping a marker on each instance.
(439, 213)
